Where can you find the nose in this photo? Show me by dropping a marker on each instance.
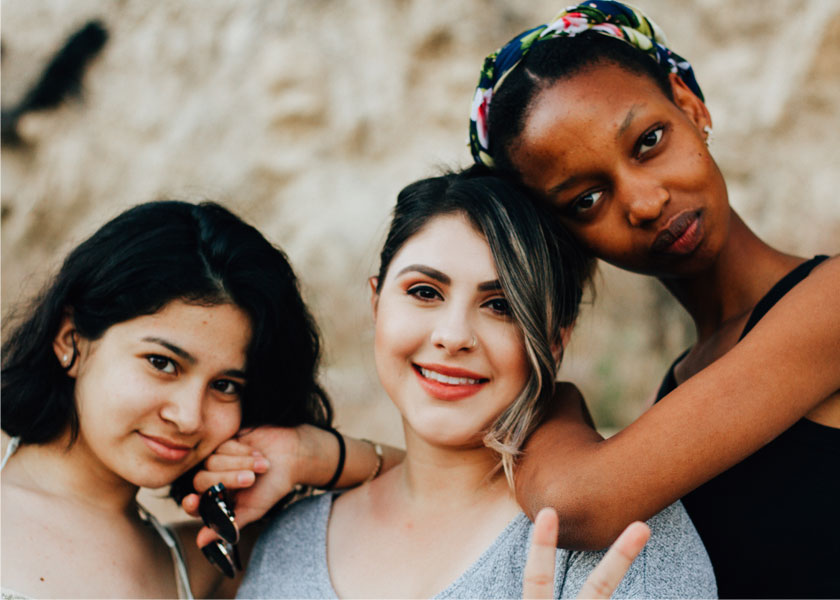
(453, 332)
(184, 409)
(645, 201)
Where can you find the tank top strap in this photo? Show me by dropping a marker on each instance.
(181, 575)
(10, 449)
(782, 287)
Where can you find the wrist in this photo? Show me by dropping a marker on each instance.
(317, 456)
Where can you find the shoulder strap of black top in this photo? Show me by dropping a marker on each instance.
(782, 287)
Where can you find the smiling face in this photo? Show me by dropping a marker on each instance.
(627, 169)
(156, 394)
(447, 351)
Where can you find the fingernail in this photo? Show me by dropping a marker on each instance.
(218, 555)
(261, 464)
(245, 478)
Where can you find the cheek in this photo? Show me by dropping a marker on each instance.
(397, 335)
(508, 355)
(223, 420)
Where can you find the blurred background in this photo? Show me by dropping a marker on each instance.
(307, 117)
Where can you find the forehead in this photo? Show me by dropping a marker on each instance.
(449, 243)
(221, 332)
(585, 112)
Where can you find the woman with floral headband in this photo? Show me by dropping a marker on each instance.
(608, 126)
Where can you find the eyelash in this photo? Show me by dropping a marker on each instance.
(658, 129)
(418, 291)
(153, 358)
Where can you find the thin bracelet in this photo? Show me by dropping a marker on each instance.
(342, 454)
(377, 449)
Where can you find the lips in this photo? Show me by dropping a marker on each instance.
(164, 448)
(448, 383)
(681, 235)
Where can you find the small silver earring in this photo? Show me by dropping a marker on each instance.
(709, 135)
(64, 359)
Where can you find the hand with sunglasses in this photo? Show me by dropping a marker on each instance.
(262, 466)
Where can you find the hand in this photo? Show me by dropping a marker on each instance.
(237, 462)
(604, 578)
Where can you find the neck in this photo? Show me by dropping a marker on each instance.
(745, 270)
(54, 469)
(449, 478)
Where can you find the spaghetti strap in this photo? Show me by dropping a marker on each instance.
(181, 576)
(10, 449)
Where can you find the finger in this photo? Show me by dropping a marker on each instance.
(237, 447)
(204, 536)
(233, 480)
(539, 570)
(229, 462)
(605, 577)
(190, 504)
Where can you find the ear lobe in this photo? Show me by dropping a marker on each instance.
(560, 346)
(693, 107)
(373, 282)
(65, 345)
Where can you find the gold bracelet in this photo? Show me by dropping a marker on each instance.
(377, 449)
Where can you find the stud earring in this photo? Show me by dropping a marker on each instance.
(64, 359)
(709, 135)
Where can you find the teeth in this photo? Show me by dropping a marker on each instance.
(446, 378)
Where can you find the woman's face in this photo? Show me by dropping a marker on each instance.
(447, 350)
(627, 169)
(156, 394)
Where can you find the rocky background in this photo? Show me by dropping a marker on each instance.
(308, 116)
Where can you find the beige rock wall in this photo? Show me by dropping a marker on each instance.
(308, 116)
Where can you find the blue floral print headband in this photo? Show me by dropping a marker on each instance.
(608, 17)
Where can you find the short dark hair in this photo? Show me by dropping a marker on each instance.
(549, 61)
(136, 264)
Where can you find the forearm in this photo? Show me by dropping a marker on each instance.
(318, 458)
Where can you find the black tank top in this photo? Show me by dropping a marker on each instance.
(771, 523)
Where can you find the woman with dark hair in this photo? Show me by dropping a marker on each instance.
(475, 293)
(163, 333)
(608, 127)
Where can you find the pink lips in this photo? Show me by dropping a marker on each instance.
(449, 391)
(681, 235)
(165, 449)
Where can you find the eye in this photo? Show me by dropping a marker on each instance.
(226, 386)
(649, 140)
(585, 202)
(425, 293)
(500, 306)
(162, 364)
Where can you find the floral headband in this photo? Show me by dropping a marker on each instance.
(608, 17)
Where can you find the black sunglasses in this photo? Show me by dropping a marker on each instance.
(216, 510)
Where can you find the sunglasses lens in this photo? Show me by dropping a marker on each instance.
(216, 510)
(223, 556)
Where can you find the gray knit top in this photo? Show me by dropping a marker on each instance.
(290, 561)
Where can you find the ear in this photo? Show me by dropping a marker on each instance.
(693, 107)
(565, 336)
(66, 345)
(374, 295)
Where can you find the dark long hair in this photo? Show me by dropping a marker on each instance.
(136, 264)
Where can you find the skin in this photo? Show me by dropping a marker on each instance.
(155, 395)
(622, 163)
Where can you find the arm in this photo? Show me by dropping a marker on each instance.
(787, 365)
(304, 455)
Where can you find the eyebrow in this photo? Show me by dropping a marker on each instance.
(433, 273)
(484, 286)
(178, 351)
(631, 114)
